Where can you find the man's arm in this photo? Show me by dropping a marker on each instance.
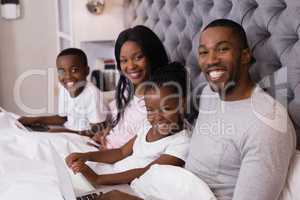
(266, 155)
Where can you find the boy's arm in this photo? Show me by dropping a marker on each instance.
(48, 120)
(129, 175)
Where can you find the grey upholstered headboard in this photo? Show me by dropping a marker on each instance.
(272, 26)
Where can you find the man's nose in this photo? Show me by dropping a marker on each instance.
(212, 58)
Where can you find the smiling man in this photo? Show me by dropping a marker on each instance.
(243, 139)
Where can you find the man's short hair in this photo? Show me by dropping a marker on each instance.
(236, 28)
(77, 52)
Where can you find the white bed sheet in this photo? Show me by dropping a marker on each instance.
(26, 167)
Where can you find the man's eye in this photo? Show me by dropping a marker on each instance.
(60, 72)
(202, 52)
(223, 49)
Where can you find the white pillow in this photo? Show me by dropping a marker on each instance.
(167, 182)
(291, 189)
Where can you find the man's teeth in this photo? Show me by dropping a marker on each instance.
(216, 74)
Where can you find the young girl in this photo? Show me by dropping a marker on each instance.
(138, 52)
(161, 140)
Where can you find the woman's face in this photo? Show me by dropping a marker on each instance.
(133, 62)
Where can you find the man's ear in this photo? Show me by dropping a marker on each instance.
(246, 56)
(87, 70)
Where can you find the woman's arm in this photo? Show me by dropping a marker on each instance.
(130, 175)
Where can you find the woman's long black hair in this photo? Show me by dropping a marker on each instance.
(152, 49)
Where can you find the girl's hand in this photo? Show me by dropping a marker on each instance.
(76, 157)
(79, 167)
(117, 195)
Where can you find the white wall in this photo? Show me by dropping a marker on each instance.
(26, 44)
(89, 27)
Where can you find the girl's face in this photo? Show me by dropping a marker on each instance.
(133, 62)
(164, 110)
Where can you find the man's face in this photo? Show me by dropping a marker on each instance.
(220, 57)
(72, 73)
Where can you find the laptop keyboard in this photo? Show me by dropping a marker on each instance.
(91, 196)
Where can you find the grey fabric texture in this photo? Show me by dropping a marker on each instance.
(272, 27)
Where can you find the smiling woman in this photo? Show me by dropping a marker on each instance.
(138, 52)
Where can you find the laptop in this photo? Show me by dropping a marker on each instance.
(65, 182)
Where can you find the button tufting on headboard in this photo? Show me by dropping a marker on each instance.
(272, 27)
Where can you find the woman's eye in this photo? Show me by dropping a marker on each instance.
(139, 57)
(123, 61)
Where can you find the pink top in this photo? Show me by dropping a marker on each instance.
(134, 116)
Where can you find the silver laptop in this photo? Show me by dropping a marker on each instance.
(65, 183)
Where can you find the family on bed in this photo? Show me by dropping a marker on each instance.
(241, 144)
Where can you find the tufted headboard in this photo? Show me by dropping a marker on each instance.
(272, 27)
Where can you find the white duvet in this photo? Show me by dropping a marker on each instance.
(26, 168)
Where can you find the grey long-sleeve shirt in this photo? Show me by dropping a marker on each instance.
(242, 149)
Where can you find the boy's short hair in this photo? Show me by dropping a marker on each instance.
(76, 52)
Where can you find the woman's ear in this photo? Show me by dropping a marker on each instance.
(183, 107)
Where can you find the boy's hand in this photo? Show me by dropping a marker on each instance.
(27, 120)
(76, 157)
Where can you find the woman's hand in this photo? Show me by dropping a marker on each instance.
(117, 195)
(76, 157)
(100, 137)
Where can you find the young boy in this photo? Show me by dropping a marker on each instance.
(81, 109)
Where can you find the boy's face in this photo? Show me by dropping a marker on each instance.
(72, 73)
(163, 109)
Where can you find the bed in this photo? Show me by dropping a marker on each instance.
(273, 31)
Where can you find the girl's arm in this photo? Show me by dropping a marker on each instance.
(128, 176)
(107, 156)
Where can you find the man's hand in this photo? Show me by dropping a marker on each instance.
(117, 195)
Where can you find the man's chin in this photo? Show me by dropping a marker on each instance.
(222, 88)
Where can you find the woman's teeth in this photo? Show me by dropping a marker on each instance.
(135, 74)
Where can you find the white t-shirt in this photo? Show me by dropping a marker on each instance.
(144, 152)
(88, 107)
(133, 117)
